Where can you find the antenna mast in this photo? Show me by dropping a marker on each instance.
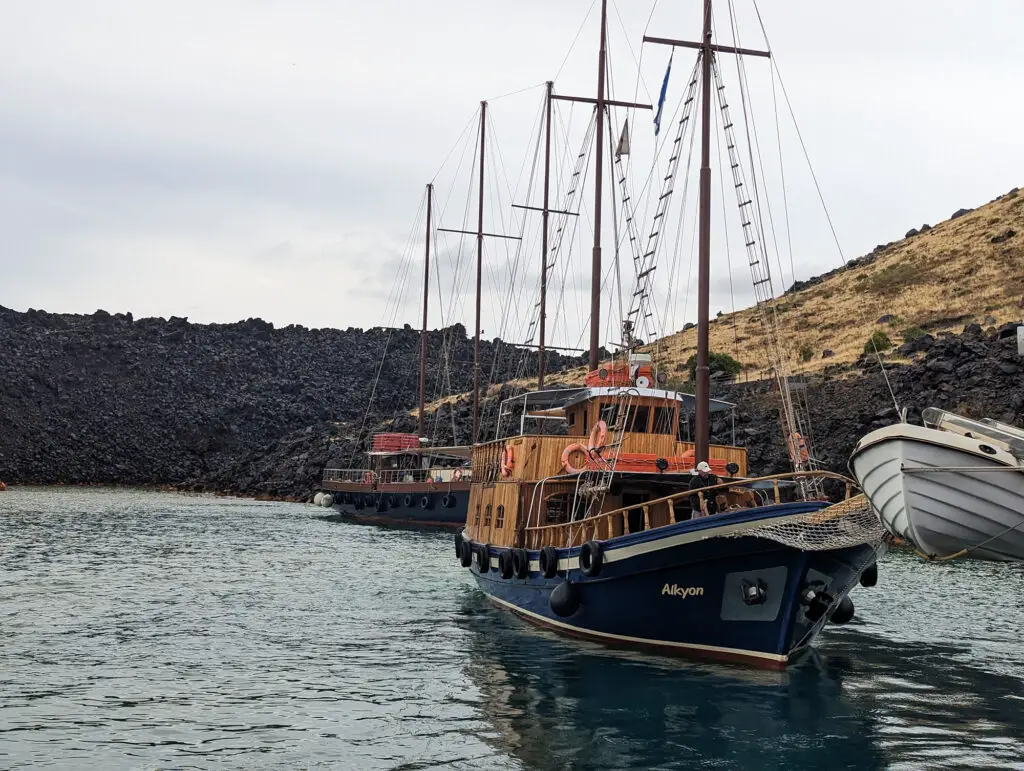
(423, 333)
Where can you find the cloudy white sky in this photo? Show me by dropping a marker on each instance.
(227, 159)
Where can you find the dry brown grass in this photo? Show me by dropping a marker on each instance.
(939, 280)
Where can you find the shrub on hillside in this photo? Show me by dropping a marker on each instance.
(879, 341)
(913, 333)
(717, 362)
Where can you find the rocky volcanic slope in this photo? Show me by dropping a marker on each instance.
(237, 407)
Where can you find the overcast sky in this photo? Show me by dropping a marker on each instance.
(227, 159)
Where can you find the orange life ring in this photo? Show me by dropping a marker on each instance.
(598, 434)
(368, 478)
(2, 487)
(797, 448)
(457, 476)
(508, 459)
(575, 447)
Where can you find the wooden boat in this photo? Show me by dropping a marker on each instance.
(953, 487)
(583, 535)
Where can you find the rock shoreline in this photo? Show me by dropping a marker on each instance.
(245, 409)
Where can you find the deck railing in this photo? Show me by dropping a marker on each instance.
(611, 523)
(397, 476)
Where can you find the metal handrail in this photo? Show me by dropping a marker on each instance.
(850, 484)
(397, 476)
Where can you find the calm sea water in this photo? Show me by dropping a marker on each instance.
(149, 630)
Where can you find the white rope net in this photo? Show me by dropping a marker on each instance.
(839, 526)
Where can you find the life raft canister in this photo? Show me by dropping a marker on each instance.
(508, 459)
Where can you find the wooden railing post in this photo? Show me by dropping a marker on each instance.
(647, 517)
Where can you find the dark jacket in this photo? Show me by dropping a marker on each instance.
(698, 482)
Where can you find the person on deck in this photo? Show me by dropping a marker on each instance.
(704, 478)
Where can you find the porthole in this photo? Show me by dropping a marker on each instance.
(986, 449)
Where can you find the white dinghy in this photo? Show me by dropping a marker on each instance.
(953, 487)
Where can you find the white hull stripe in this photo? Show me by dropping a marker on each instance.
(641, 640)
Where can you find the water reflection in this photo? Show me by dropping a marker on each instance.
(862, 702)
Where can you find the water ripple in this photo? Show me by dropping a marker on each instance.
(143, 630)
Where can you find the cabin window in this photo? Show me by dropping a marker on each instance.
(662, 420)
(487, 516)
(586, 413)
(610, 414)
(638, 420)
(556, 509)
(572, 417)
(477, 520)
(500, 521)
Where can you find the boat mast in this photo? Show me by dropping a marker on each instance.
(423, 333)
(544, 236)
(595, 265)
(479, 271)
(702, 396)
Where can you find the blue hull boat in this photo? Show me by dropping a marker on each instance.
(699, 588)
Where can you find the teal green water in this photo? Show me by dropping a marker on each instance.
(148, 630)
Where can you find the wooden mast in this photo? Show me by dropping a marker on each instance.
(702, 432)
(595, 264)
(544, 237)
(479, 272)
(423, 333)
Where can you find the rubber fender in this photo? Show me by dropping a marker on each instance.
(327, 501)
(459, 540)
(505, 564)
(317, 498)
(870, 576)
(521, 563)
(466, 557)
(549, 562)
(843, 612)
(408, 501)
(591, 558)
(483, 558)
(427, 502)
(565, 599)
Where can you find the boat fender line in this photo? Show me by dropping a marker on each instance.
(508, 460)
(591, 558)
(843, 611)
(575, 447)
(327, 501)
(870, 576)
(549, 562)
(565, 599)
(408, 501)
(598, 435)
(505, 564)
(427, 502)
(483, 558)
(521, 563)
(459, 540)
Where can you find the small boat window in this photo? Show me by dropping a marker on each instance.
(487, 516)
(556, 509)
(638, 420)
(500, 521)
(610, 414)
(662, 420)
(477, 520)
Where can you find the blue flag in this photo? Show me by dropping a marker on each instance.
(661, 97)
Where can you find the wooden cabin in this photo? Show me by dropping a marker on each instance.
(524, 480)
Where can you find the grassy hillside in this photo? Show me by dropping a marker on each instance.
(966, 269)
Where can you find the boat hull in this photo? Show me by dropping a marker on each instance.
(680, 590)
(974, 501)
(407, 505)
